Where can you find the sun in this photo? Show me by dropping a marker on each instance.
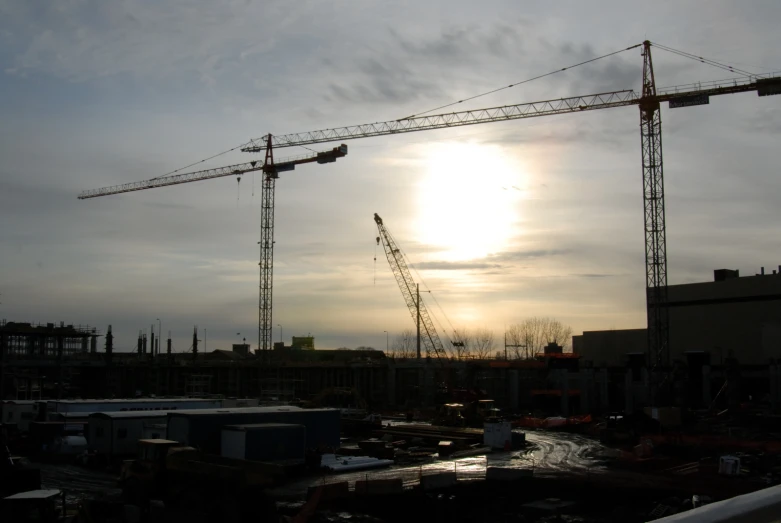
(469, 199)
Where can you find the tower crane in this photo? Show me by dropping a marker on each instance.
(411, 293)
(271, 170)
(649, 101)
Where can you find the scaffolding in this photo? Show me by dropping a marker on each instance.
(46, 341)
(197, 385)
(278, 391)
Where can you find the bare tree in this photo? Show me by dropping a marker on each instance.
(532, 335)
(462, 343)
(404, 345)
(482, 343)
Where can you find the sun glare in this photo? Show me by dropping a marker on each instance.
(468, 200)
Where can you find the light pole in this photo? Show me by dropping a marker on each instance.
(159, 335)
(386, 342)
(281, 338)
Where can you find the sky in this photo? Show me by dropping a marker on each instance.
(502, 221)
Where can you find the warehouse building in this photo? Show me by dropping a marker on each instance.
(731, 316)
(203, 428)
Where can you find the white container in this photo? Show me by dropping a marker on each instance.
(498, 434)
(729, 465)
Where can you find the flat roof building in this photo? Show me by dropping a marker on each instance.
(731, 315)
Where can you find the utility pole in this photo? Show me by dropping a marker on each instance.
(417, 304)
(195, 342)
(511, 346)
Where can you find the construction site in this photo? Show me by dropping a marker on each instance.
(666, 421)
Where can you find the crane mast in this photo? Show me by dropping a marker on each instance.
(426, 333)
(658, 331)
(271, 172)
(649, 102)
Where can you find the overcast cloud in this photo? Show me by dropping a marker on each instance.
(96, 93)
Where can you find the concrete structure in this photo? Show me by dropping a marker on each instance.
(611, 347)
(731, 316)
(738, 315)
(303, 342)
(117, 433)
(762, 506)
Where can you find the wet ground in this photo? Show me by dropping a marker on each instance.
(77, 482)
(550, 454)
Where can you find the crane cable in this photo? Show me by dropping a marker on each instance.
(520, 83)
(199, 161)
(703, 60)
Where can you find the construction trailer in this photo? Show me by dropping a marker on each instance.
(202, 429)
(129, 405)
(115, 434)
(266, 442)
(18, 414)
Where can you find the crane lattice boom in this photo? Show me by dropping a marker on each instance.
(287, 164)
(503, 113)
(428, 335)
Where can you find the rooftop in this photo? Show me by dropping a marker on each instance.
(131, 400)
(260, 426)
(243, 410)
(35, 494)
(137, 414)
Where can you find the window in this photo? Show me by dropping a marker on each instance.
(99, 432)
(121, 433)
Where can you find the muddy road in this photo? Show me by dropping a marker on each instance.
(77, 482)
(548, 453)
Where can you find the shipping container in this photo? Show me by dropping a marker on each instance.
(264, 442)
(203, 428)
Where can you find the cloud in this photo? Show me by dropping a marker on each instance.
(455, 266)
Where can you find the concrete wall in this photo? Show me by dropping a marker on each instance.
(738, 315)
(609, 347)
(742, 315)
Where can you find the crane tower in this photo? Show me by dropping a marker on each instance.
(271, 172)
(649, 101)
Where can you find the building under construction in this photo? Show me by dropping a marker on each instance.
(725, 344)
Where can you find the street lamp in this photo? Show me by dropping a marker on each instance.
(281, 338)
(386, 342)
